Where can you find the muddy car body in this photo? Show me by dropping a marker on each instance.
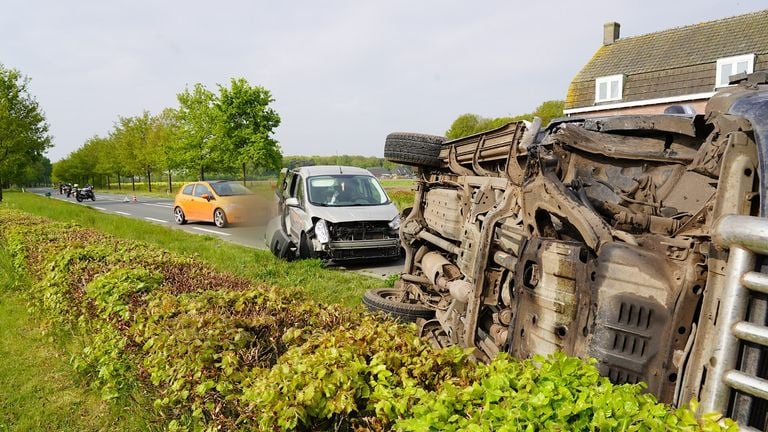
(337, 213)
(610, 238)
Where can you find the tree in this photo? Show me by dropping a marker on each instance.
(549, 110)
(470, 124)
(23, 129)
(197, 120)
(246, 125)
(464, 125)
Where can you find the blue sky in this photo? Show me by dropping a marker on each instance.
(343, 73)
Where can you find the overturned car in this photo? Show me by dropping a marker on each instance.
(636, 240)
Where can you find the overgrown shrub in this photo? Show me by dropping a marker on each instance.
(214, 352)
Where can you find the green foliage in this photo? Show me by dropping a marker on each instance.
(247, 124)
(470, 124)
(23, 129)
(225, 132)
(215, 352)
(552, 393)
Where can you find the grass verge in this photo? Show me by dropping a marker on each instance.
(38, 388)
(306, 277)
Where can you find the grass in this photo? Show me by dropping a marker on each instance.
(307, 277)
(38, 388)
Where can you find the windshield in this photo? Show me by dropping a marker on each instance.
(230, 188)
(346, 190)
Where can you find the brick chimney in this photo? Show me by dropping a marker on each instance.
(610, 32)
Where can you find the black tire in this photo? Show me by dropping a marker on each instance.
(178, 216)
(220, 218)
(378, 299)
(79, 198)
(413, 149)
(93, 197)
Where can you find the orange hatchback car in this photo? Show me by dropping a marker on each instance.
(220, 202)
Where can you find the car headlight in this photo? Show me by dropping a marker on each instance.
(321, 231)
(395, 223)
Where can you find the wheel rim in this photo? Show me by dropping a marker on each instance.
(178, 215)
(218, 218)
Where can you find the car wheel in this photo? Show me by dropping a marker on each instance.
(178, 216)
(219, 218)
(413, 149)
(386, 300)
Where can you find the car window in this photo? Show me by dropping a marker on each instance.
(299, 189)
(346, 190)
(294, 183)
(201, 189)
(230, 189)
(188, 189)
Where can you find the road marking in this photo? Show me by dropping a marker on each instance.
(122, 213)
(211, 231)
(99, 208)
(158, 205)
(154, 220)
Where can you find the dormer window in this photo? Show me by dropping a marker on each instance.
(732, 65)
(608, 88)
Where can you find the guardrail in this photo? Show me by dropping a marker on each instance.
(741, 336)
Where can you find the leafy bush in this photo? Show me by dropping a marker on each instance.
(214, 352)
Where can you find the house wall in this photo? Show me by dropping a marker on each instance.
(697, 105)
(672, 82)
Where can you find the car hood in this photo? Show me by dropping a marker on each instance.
(354, 214)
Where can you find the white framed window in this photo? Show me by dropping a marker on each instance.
(608, 88)
(732, 65)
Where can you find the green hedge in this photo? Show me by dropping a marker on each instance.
(213, 352)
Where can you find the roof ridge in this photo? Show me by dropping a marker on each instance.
(686, 27)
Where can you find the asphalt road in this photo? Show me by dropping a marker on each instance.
(160, 211)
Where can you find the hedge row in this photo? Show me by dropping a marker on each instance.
(212, 351)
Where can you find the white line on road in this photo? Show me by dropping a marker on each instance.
(158, 205)
(99, 208)
(154, 220)
(211, 231)
(122, 213)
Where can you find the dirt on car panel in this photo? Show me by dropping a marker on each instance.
(590, 236)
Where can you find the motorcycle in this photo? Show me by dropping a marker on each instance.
(85, 193)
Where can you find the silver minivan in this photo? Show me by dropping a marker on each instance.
(333, 212)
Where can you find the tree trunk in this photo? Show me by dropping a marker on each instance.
(1, 190)
(202, 173)
(170, 183)
(244, 174)
(119, 185)
(149, 180)
(107, 182)
(133, 183)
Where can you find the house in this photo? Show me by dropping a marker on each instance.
(682, 66)
(380, 172)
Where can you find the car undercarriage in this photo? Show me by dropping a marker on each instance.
(593, 237)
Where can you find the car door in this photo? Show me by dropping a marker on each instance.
(297, 214)
(202, 208)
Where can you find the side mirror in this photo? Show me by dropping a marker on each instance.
(292, 202)
(206, 197)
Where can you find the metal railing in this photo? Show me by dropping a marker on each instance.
(740, 332)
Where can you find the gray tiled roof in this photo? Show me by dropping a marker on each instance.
(682, 46)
